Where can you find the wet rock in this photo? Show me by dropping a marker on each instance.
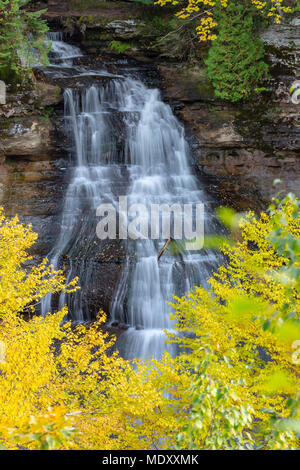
(2, 92)
(34, 190)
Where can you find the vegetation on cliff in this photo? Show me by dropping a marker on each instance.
(235, 62)
(22, 41)
(234, 384)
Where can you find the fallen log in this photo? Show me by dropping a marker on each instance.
(164, 248)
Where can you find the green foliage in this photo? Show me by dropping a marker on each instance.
(244, 391)
(22, 40)
(218, 410)
(119, 46)
(235, 61)
(91, 5)
(296, 7)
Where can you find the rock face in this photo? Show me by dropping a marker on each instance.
(30, 102)
(26, 129)
(245, 146)
(45, 95)
(31, 182)
(282, 43)
(31, 138)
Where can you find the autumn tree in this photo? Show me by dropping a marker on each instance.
(205, 10)
(240, 338)
(234, 385)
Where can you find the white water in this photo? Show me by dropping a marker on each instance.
(152, 166)
(64, 60)
(61, 51)
(159, 173)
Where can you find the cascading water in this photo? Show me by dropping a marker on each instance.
(159, 173)
(149, 166)
(62, 52)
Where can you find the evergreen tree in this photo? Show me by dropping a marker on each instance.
(235, 61)
(22, 39)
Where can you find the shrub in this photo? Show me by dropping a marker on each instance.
(235, 60)
(239, 338)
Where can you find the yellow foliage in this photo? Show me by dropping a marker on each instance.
(224, 327)
(204, 10)
(63, 387)
(22, 288)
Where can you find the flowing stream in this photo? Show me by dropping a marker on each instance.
(125, 141)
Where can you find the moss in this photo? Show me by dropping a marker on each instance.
(205, 89)
(119, 46)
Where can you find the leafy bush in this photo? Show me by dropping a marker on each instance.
(170, 37)
(244, 393)
(119, 46)
(235, 60)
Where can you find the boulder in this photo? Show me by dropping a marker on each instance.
(123, 29)
(45, 94)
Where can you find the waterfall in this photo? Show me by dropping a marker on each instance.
(158, 156)
(62, 52)
(126, 141)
